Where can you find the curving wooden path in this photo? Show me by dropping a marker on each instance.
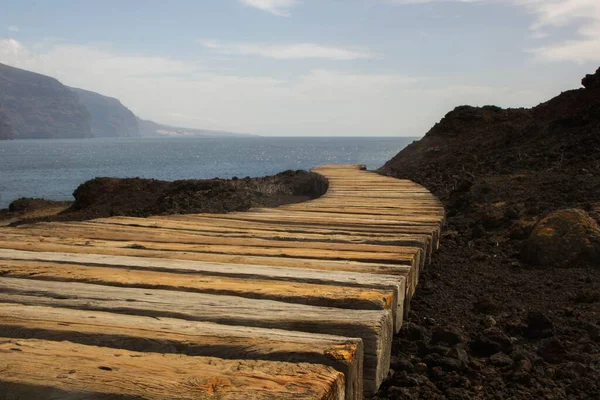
(295, 302)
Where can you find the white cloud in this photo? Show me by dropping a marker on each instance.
(288, 52)
(13, 28)
(582, 15)
(277, 7)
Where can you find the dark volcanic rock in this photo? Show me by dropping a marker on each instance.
(591, 81)
(564, 238)
(109, 118)
(40, 107)
(532, 332)
(105, 197)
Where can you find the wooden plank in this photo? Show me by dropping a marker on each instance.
(83, 246)
(45, 370)
(129, 233)
(409, 273)
(274, 232)
(342, 289)
(166, 335)
(287, 292)
(375, 328)
(422, 241)
(403, 256)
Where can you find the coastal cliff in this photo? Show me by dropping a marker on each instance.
(40, 107)
(108, 117)
(5, 127)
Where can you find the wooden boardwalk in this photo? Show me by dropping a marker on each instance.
(296, 302)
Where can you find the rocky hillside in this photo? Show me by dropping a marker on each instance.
(510, 306)
(40, 107)
(5, 127)
(108, 117)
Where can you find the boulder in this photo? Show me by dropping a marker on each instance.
(564, 238)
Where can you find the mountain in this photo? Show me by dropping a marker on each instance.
(108, 117)
(40, 107)
(153, 129)
(34, 106)
(5, 127)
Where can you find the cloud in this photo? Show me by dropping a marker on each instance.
(288, 52)
(13, 28)
(583, 16)
(277, 7)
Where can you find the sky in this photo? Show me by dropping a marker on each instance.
(307, 67)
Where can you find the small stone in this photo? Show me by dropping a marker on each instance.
(449, 335)
(399, 392)
(490, 341)
(413, 332)
(421, 368)
(459, 353)
(552, 351)
(489, 321)
(485, 305)
(500, 360)
(402, 365)
(538, 325)
(522, 371)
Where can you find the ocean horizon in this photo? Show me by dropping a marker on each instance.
(53, 169)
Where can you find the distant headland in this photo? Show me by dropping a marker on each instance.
(34, 106)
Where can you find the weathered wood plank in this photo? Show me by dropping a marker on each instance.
(128, 233)
(45, 370)
(276, 232)
(343, 289)
(403, 256)
(288, 292)
(83, 246)
(166, 335)
(375, 328)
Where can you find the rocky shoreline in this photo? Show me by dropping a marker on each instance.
(106, 197)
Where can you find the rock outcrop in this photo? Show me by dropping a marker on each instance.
(40, 107)
(591, 81)
(109, 118)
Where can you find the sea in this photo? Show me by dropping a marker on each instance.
(52, 169)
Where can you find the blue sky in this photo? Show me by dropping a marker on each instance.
(307, 67)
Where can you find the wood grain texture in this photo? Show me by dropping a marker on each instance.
(303, 286)
(167, 335)
(375, 328)
(48, 370)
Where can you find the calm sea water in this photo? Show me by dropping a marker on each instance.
(52, 169)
